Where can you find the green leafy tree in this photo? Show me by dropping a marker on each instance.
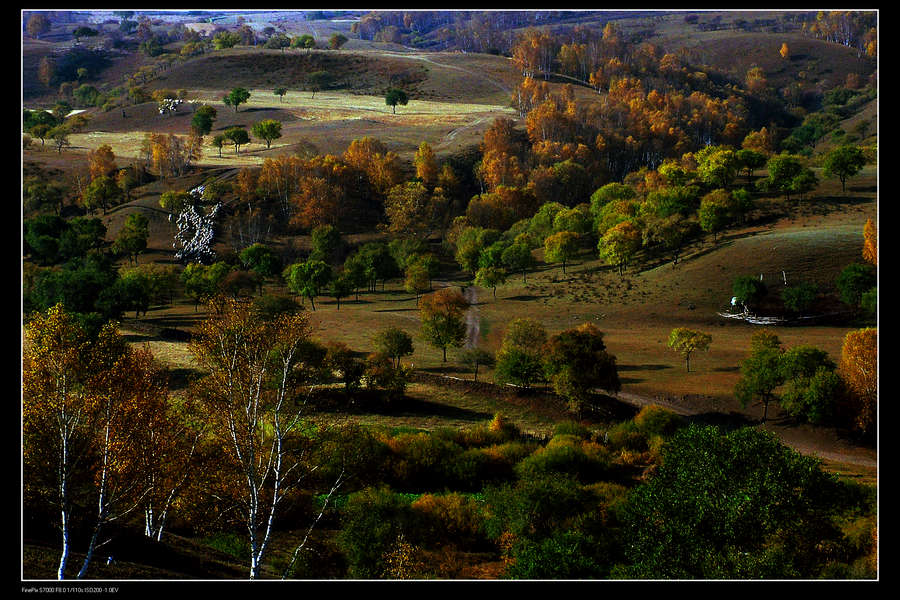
(443, 319)
(749, 290)
(469, 245)
(761, 372)
(175, 201)
(799, 297)
(219, 141)
(226, 39)
(749, 160)
(237, 136)
(855, 280)
(843, 162)
(717, 166)
(336, 41)
(812, 388)
(518, 257)
(132, 238)
(717, 510)
(203, 282)
(262, 260)
(202, 121)
(561, 247)
(417, 279)
(280, 92)
(304, 41)
(619, 244)
(576, 362)
(476, 357)
(520, 358)
(782, 170)
(279, 41)
(715, 212)
(687, 341)
(341, 287)
(236, 97)
(326, 243)
(393, 97)
(490, 277)
(394, 343)
(307, 279)
(267, 130)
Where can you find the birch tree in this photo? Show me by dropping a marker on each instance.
(85, 403)
(256, 369)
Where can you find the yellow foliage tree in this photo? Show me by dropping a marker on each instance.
(870, 242)
(859, 369)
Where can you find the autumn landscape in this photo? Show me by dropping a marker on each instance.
(320, 296)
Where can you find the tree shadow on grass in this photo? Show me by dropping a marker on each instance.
(642, 367)
(181, 377)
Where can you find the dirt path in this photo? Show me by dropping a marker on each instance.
(823, 443)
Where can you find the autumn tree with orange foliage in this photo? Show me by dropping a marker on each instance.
(372, 158)
(426, 165)
(102, 162)
(870, 242)
(859, 369)
(316, 202)
(88, 405)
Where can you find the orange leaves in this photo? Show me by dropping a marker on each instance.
(859, 369)
(317, 202)
(445, 302)
(870, 242)
(102, 161)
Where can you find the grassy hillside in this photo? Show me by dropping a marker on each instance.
(454, 98)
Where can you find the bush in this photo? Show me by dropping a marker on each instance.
(572, 428)
(655, 420)
(627, 436)
(448, 519)
(566, 456)
(372, 521)
(423, 461)
(535, 508)
(473, 468)
(563, 555)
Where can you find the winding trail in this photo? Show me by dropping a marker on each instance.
(473, 320)
(819, 442)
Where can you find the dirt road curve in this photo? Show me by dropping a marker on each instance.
(823, 443)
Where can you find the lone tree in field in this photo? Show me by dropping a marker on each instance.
(475, 357)
(236, 97)
(843, 162)
(761, 371)
(304, 41)
(443, 319)
(237, 136)
(267, 130)
(394, 343)
(203, 118)
(318, 81)
(576, 362)
(393, 97)
(280, 92)
(687, 341)
(519, 360)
